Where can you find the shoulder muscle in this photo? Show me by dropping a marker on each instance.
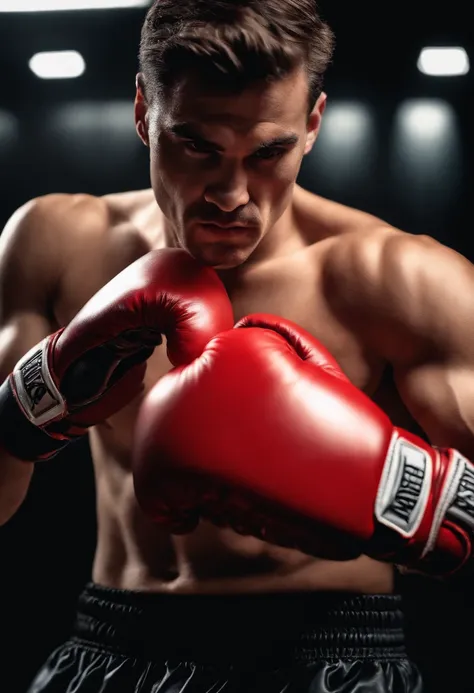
(404, 293)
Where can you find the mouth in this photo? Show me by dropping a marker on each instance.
(224, 231)
(224, 227)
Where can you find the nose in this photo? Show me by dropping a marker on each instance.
(229, 189)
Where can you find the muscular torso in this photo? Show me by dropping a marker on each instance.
(131, 552)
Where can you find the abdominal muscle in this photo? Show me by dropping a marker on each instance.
(132, 553)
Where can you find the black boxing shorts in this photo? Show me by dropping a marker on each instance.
(125, 642)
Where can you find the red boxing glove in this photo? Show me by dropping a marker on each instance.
(89, 370)
(265, 434)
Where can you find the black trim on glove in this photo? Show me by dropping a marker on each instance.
(18, 436)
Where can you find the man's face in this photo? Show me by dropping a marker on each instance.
(223, 167)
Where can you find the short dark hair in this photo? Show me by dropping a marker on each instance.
(232, 44)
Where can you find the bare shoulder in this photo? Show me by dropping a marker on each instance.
(127, 204)
(323, 218)
(57, 228)
(382, 257)
(50, 222)
(395, 287)
(37, 244)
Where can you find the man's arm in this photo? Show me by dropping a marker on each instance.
(412, 299)
(29, 271)
(85, 372)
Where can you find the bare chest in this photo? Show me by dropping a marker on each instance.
(290, 292)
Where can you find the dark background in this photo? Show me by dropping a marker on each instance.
(394, 142)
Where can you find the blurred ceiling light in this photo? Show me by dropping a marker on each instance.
(57, 65)
(443, 62)
(48, 5)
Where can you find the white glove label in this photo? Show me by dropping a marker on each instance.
(456, 500)
(34, 387)
(404, 487)
(462, 500)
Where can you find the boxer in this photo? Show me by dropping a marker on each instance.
(229, 100)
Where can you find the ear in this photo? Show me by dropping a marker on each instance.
(314, 122)
(141, 111)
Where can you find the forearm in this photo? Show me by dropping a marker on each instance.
(15, 473)
(15, 477)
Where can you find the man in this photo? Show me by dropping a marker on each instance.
(229, 100)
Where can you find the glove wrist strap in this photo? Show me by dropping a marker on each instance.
(34, 386)
(18, 435)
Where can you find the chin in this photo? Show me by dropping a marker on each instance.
(226, 265)
(222, 258)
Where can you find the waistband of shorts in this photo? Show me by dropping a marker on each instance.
(306, 626)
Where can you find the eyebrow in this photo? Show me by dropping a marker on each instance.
(187, 131)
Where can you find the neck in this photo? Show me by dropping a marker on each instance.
(281, 239)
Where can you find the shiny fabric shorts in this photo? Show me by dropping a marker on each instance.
(126, 642)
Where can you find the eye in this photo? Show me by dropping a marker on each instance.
(195, 147)
(269, 153)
